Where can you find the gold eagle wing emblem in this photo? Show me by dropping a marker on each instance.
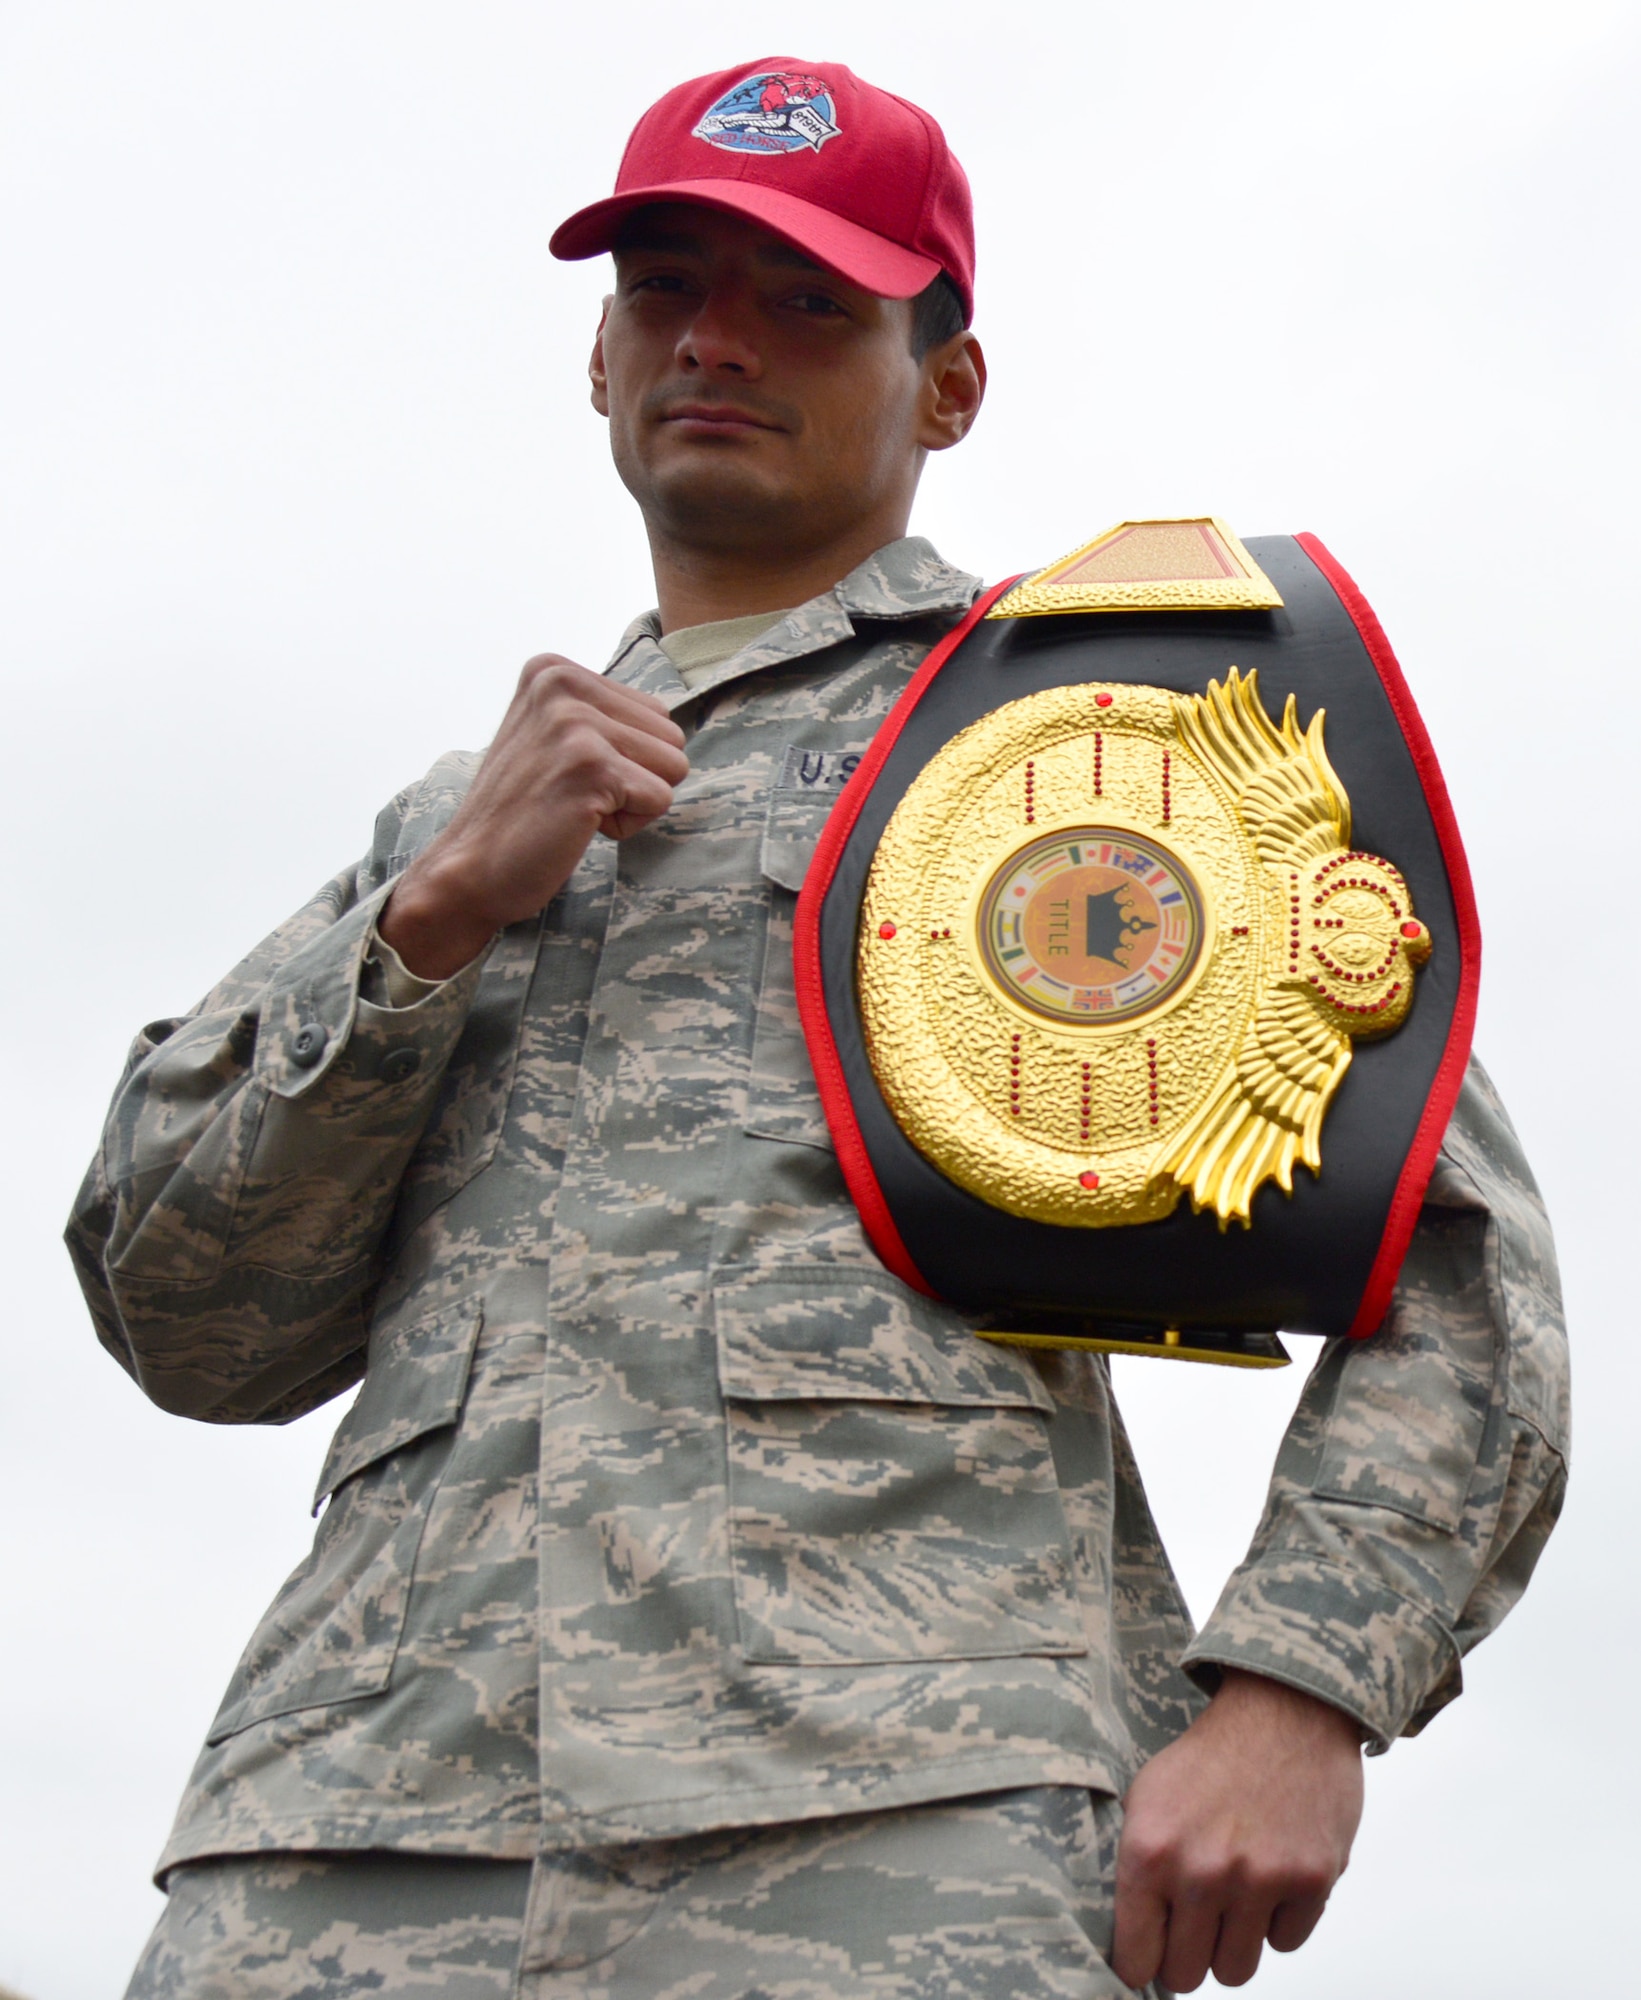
(1342, 942)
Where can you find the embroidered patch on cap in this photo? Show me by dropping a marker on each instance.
(781, 111)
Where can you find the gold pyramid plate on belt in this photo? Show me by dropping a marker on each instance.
(1190, 563)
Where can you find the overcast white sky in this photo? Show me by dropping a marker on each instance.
(296, 468)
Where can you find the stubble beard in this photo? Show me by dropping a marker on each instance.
(721, 508)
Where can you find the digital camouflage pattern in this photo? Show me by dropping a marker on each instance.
(664, 1507)
(1003, 1898)
(292, 1927)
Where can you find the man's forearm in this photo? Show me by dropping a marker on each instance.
(1424, 1466)
(1416, 1485)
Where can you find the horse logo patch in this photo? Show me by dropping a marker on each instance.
(781, 111)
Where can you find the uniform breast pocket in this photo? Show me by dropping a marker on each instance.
(891, 1489)
(782, 1101)
(333, 1631)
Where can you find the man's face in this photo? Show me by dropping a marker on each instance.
(757, 401)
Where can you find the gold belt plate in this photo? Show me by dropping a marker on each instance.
(1116, 946)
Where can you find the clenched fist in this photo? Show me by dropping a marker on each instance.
(575, 755)
(1234, 1836)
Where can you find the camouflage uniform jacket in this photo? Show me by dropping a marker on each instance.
(663, 1506)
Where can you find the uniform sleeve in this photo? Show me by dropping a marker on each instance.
(1425, 1467)
(227, 1234)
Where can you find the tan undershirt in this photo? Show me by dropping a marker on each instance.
(696, 649)
(388, 981)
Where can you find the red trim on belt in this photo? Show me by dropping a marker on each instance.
(853, 1157)
(1403, 1213)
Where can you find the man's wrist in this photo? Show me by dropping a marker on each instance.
(433, 923)
(1247, 1692)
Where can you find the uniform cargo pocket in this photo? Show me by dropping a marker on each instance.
(782, 1101)
(333, 1631)
(891, 1490)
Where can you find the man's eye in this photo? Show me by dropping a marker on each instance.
(660, 281)
(818, 303)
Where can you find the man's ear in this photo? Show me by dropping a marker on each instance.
(954, 387)
(595, 367)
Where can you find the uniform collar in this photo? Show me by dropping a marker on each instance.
(904, 579)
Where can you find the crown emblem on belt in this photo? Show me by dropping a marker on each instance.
(1116, 947)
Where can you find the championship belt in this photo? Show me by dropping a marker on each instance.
(1146, 895)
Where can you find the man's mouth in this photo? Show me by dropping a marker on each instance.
(722, 417)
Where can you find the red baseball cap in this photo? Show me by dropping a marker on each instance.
(860, 179)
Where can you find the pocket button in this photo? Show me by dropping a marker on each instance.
(308, 1044)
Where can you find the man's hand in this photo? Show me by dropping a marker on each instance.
(575, 755)
(1234, 1835)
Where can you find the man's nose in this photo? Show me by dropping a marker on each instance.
(719, 339)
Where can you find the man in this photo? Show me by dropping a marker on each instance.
(696, 1610)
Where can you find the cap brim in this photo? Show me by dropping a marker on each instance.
(863, 257)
